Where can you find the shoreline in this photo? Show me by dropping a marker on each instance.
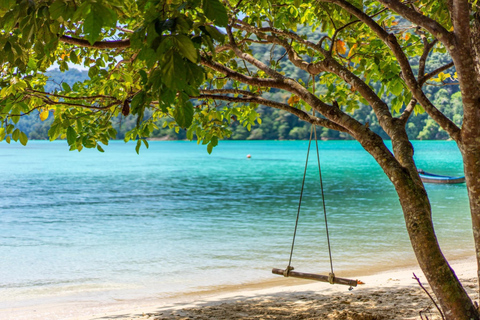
(395, 285)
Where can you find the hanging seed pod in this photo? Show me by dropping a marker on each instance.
(126, 108)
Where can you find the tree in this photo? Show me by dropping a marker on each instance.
(167, 55)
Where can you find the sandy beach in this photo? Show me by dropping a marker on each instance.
(392, 294)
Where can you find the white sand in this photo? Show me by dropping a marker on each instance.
(386, 295)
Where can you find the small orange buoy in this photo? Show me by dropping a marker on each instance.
(249, 156)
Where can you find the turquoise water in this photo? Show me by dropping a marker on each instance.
(176, 219)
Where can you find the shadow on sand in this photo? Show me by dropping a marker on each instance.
(396, 302)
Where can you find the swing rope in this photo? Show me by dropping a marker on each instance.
(313, 132)
(323, 201)
(299, 205)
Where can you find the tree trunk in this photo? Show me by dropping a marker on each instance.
(470, 145)
(471, 162)
(452, 297)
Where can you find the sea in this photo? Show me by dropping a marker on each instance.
(176, 219)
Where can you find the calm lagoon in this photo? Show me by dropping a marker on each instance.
(176, 219)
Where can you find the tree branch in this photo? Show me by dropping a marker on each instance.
(125, 30)
(428, 294)
(460, 12)
(428, 46)
(118, 44)
(391, 41)
(121, 62)
(282, 106)
(425, 78)
(232, 91)
(291, 35)
(432, 26)
(231, 74)
(312, 68)
(332, 113)
(49, 101)
(408, 111)
(331, 65)
(22, 114)
(380, 108)
(337, 31)
(250, 59)
(443, 84)
(71, 98)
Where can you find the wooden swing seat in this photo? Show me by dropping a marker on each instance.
(288, 272)
(317, 277)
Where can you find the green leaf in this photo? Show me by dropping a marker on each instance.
(168, 70)
(183, 114)
(214, 141)
(144, 76)
(99, 148)
(183, 24)
(194, 74)
(58, 10)
(137, 148)
(137, 102)
(96, 18)
(186, 47)
(173, 71)
(208, 41)
(73, 57)
(128, 78)
(23, 138)
(22, 106)
(9, 20)
(32, 63)
(52, 132)
(93, 71)
(10, 128)
(16, 134)
(190, 132)
(145, 142)
(397, 88)
(418, 109)
(92, 25)
(215, 34)
(71, 136)
(112, 133)
(215, 11)
(66, 87)
(210, 148)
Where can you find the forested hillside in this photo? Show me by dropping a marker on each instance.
(278, 124)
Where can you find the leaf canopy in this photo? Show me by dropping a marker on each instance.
(190, 62)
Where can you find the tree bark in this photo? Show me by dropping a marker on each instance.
(465, 54)
(475, 39)
(452, 297)
(471, 163)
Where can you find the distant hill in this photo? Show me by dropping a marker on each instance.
(278, 124)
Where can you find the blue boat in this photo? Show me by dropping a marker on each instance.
(435, 178)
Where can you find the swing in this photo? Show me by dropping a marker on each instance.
(288, 271)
